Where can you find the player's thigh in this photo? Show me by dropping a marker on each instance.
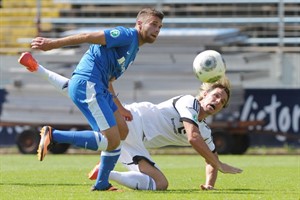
(122, 125)
(95, 103)
(159, 178)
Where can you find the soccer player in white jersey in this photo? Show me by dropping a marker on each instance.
(111, 52)
(178, 121)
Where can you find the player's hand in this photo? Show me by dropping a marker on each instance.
(225, 168)
(41, 43)
(206, 187)
(126, 114)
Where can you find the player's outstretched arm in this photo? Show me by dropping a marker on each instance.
(47, 44)
(225, 168)
(211, 174)
(201, 147)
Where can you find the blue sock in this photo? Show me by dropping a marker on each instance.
(107, 164)
(84, 139)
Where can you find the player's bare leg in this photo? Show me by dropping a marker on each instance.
(159, 178)
(150, 178)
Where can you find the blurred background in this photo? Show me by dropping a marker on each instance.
(259, 40)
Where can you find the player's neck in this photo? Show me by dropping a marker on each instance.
(202, 115)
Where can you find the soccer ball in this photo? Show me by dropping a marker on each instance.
(209, 66)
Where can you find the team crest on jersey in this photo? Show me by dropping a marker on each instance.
(114, 33)
(195, 117)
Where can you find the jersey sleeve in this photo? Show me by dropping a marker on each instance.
(188, 108)
(118, 36)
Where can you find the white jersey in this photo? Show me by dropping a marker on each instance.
(161, 124)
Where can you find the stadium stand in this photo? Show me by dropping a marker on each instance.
(19, 20)
(260, 20)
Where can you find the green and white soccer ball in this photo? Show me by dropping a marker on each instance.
(209, 66)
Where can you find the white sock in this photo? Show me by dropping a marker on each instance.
(58, 81)
(133, 180)
(102, 142)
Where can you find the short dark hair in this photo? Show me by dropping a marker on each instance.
(151, 12)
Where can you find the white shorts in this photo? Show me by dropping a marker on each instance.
(133, 144)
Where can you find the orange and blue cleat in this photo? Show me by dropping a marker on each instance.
(28, 61)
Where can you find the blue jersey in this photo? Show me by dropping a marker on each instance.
(104, 62)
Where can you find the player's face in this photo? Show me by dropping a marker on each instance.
(214, 101)
(149, 29)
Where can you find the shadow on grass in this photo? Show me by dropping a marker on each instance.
(44, 184)
(242, 191)
(217, 191)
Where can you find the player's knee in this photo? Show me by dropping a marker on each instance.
(162, 184)
(112, 145)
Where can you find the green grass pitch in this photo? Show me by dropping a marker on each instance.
(65, 177)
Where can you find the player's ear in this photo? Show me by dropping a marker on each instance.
(139, 24)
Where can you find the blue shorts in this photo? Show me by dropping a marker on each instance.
(95, 102)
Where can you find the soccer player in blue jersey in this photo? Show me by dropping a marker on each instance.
(109, 55)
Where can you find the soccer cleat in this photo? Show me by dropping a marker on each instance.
(45, 143)
(28, 61)
(94, 172)
(109, 188)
